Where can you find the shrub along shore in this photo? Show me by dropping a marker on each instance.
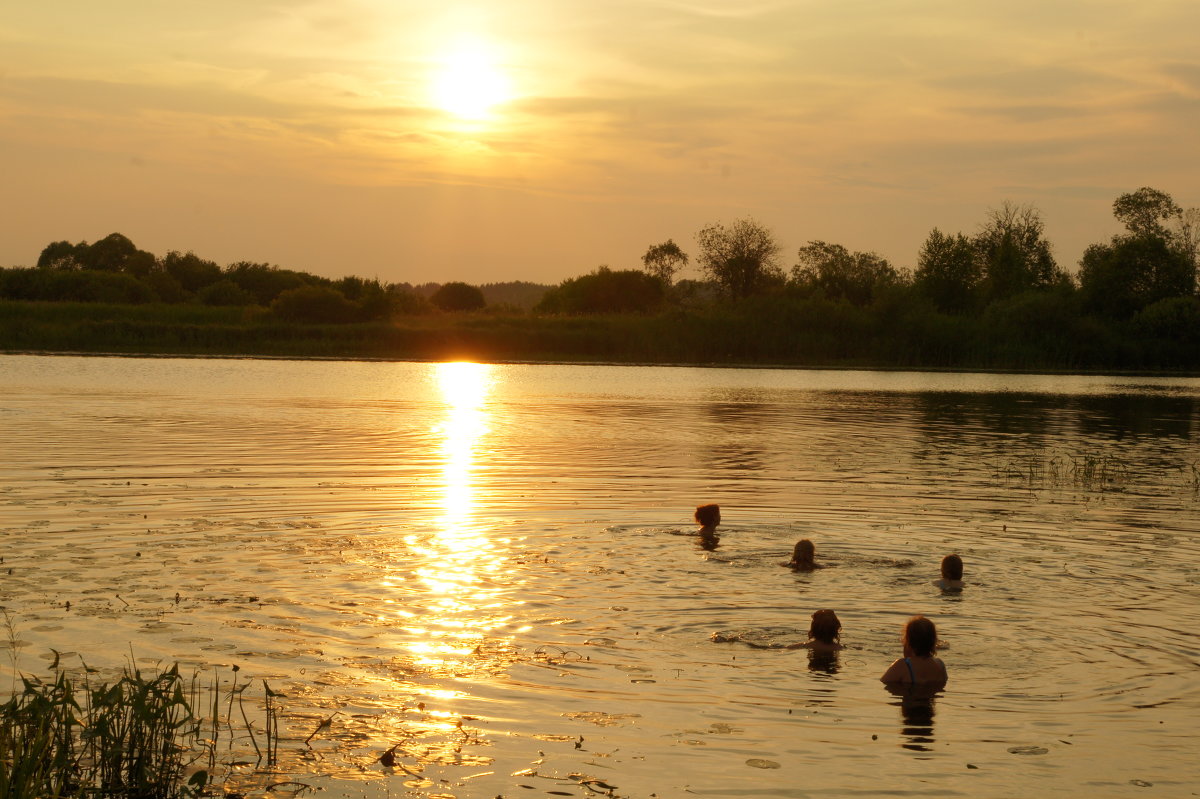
(1030, 334)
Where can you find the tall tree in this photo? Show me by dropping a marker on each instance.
(949, 272)
(742, 258)
(61, 255)
(1014, 253)
(192, 271)
(109, 253)
(1142, 212)
(665, 260)
(1152, 261)
(841, 274)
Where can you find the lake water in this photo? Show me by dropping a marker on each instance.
(493, 567)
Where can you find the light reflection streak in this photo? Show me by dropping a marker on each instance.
(460, 565)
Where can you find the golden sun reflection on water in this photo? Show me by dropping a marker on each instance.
(460, 565)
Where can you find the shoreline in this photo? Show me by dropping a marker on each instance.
(565, 362)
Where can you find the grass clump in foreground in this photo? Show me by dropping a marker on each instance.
(135, 738)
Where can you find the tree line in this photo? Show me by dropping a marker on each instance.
(1154, 260)
(114, 270)
(993, 298)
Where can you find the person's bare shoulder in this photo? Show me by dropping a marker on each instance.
(895, 672)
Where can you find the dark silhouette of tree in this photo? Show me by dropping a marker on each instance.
(743, 258)
(1175, 323)
(192, 271)
(141, 263)
(842, 275)
(166, 288)
(108, 254)
(514, 293)
(1142, 212)
(1014, 253)
(405, 301)
(224, 292)
(370, 296)
(664, 261)
(949, 272)
(314, 305)
(75, 285)
(1149, 263)
(61, 255)
(113, 253)
(605, 291)
(456, 296)
(264, 281)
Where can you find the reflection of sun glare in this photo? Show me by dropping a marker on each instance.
(460, 561)
(469, 83)
(464, 387)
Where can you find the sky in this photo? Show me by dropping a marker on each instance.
(416, 141)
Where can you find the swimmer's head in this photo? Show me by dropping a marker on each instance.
(804, 552)
(920, 636)
(952, 567)
(825, 626)
(708, 515)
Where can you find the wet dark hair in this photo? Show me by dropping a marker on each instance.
(803, 551)
(952, 567)
(708, 514)
(825, 626)
(920, 635)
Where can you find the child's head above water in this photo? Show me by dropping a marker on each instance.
(804, 551)
(952, 567)
(920, 636)
(825, 627)
(708, 515)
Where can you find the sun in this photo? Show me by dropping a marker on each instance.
(469, 83)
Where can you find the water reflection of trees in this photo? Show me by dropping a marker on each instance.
(1118, 416)
(916, 703)
(739, 415)
(955, 418)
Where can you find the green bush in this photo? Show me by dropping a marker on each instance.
(605, 291)
(314, 305)
(224, 292)
(73, 286)
(458, 297)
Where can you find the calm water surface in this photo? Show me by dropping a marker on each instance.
(492, 567)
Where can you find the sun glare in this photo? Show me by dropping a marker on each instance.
(469, 83)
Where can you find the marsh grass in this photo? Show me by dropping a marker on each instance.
(1191, 475)
(1047, 469)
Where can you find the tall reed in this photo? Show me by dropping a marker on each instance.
(135, 739)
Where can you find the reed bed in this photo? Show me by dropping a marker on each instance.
(148, 735)
(132, 738)
(1047, 469)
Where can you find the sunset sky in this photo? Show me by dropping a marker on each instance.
(537, 139)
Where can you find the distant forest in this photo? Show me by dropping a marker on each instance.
(992, 299)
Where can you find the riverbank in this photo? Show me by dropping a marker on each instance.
(766, 335)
